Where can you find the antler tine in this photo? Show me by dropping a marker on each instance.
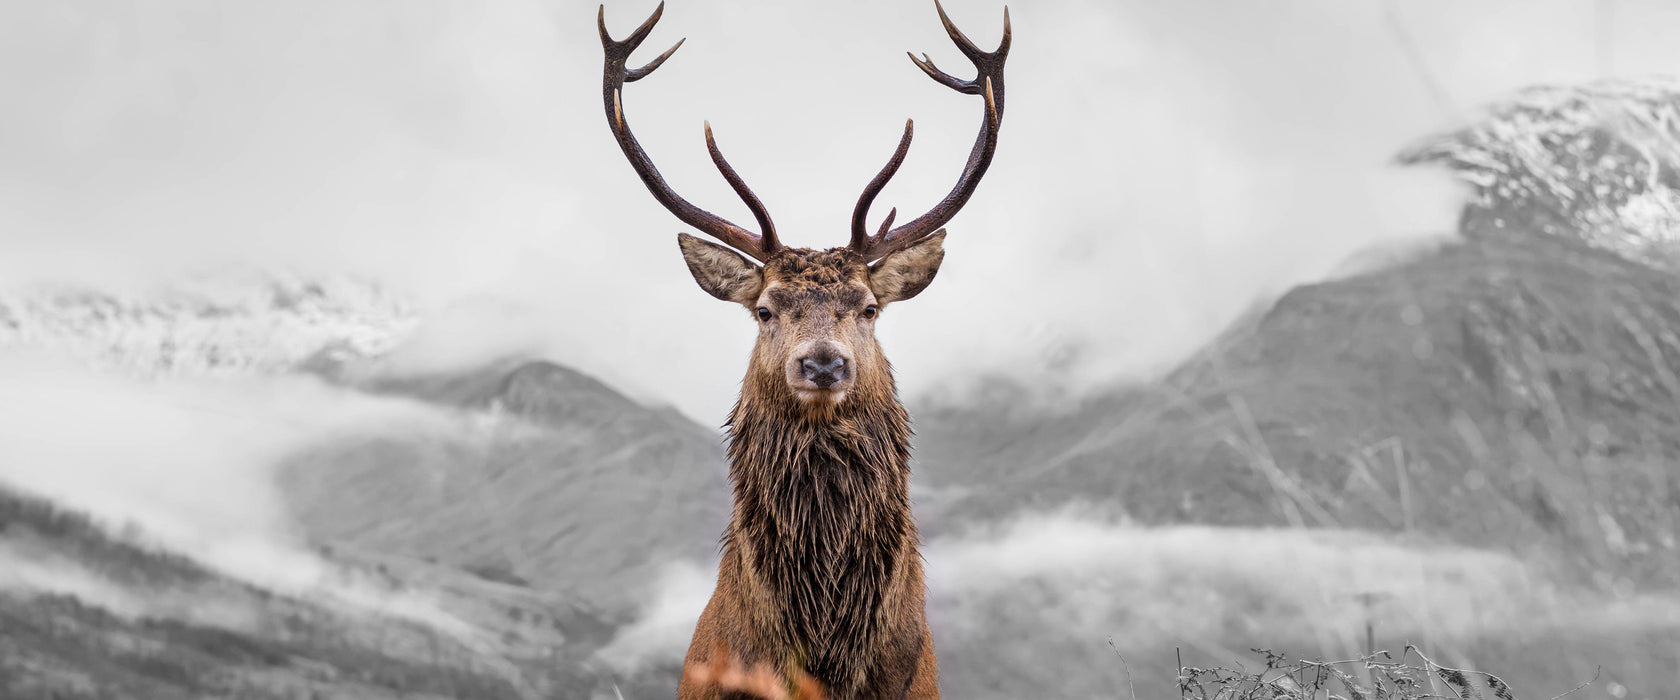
(1003, 45)
(645, 71)
(963, 44)
(630, 43)
(946, 79)
(968, 49)
(988, 83)
(614, 76)
(622, 49)
(860, 236)
(768, 244)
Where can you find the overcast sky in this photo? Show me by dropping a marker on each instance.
(1162, 164)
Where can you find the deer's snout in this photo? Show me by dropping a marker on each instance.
(824, 369)
(821, 370)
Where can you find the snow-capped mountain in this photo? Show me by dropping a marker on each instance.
(1598, 162)
(229, 323)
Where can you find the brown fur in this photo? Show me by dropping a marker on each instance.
(821, 569)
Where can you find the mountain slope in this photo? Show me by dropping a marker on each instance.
(553, 478)
(85, 613)
(1515, 396)
(1496, 392)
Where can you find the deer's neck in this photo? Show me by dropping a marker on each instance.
(822, 525)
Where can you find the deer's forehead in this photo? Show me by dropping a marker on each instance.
(843, 293)
(815, 267)
(804, 277)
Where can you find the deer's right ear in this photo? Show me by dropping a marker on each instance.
(722, 272)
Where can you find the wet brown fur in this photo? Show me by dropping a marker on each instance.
(820, 567)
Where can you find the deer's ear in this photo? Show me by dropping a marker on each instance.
(907, 272)
(722, 272)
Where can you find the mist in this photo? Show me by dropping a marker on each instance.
(1066, 581)
(188, 463)
(37, 572)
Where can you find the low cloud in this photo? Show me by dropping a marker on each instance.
(1056, 580)
(188, 460)
(660, 635)
(187, 464)
(31, 573)
(1110, 578)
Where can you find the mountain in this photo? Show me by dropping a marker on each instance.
(1513, 386)
(522, 525)
(1494, 392)
(1515, 396)
(554, 479)
(1510, 395)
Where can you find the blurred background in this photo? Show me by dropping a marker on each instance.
(1321, 327)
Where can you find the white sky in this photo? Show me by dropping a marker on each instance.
(1162, 163)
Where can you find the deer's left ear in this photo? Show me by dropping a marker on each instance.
(905, 273)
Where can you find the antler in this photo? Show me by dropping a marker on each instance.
(988, 83)
(612, 87)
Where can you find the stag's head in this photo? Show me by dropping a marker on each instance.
(816, 309)
(816, 312)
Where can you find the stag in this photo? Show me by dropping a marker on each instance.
(821, 573)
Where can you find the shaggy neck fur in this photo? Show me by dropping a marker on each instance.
(821, 526)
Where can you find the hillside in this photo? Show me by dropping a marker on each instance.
(87, 613)
(1494, 392)
(1511, 396)
(553, 479)
(537, 506)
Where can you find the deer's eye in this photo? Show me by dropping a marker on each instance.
(870, 311)
(763, 314)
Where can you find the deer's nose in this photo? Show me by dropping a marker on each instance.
(824, 370)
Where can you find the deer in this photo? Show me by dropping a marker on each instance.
(820, 575)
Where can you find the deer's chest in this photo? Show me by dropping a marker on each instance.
(829, 544)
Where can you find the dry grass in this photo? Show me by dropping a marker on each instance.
(1411, 676)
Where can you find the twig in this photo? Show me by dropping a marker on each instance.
(1401, 678)
(1128, 668)
(1458, 679)
(1590, 681)
(1179, 654)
